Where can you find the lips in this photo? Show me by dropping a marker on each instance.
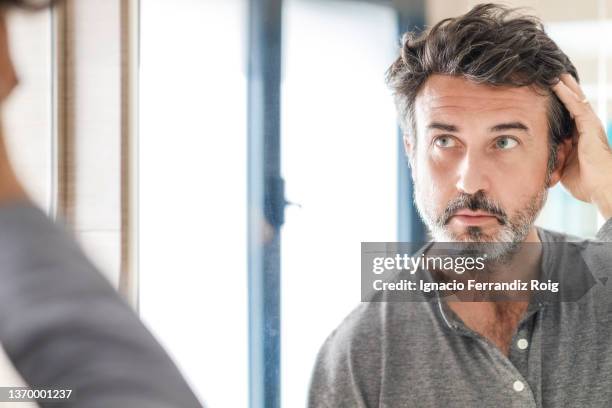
(468, 217)
(470, 213)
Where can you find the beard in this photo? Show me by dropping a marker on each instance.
(498, 246)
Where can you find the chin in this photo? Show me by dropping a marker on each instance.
(479, 234)
(496, 244)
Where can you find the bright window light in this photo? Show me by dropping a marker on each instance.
(193, 281)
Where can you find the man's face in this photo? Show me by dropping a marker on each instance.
(480, 160)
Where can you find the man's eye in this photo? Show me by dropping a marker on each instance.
(505, 143)
(445, 141)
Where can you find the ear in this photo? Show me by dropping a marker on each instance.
(564, 150)
(409, 149)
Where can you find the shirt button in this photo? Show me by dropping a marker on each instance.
(522, 344)
(518, 386)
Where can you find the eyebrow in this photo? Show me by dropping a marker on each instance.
(509, 126)
(442, 126)
(497, 128)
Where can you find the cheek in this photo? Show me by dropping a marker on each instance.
(517, 194)
(437, 173)
(515, 190)
(434, 167)
(515, 175)
(434, 184)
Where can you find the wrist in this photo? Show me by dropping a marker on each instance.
(602, 199)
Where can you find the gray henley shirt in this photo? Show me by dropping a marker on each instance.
(420, 354)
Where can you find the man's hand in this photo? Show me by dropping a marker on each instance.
(587, 173)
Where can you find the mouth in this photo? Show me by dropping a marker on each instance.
(474, 218)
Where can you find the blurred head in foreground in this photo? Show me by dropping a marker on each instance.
(484, 133)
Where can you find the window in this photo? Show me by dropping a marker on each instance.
(193, 281)
(339, 156)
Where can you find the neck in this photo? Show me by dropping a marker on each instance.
(497, 320)
(523, 264)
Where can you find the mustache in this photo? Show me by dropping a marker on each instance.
(473, 202)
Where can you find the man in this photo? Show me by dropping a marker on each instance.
(493, 116)
(61, 324)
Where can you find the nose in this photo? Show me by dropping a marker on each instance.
(472, 174)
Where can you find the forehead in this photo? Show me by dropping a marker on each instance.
(455, 97)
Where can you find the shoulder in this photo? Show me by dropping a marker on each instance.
(348, 368)
(604, 234)
(350, 352)
(364, 333)
(592, 256)
(350, 364)
(547, 235)
(358, 332)
(583, 266)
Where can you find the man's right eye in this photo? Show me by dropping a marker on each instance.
(445, 141)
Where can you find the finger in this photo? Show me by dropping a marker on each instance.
(572, 102)
(572, 84)
(587, 122)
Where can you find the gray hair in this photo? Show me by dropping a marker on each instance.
(491, 44)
